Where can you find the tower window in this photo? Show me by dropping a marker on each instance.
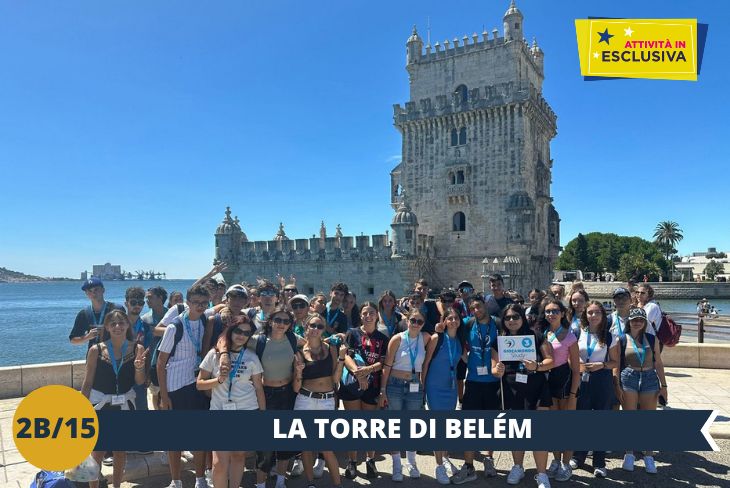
(452, 178)
(409, 236)
(517, 26)
(459, 177)
(461, 93)
(454, 137)
(459, 222)
(462, 136)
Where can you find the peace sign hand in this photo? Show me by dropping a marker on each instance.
(140, 358)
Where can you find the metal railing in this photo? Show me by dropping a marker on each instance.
(704, 326)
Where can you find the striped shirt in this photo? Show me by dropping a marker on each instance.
(182, 367)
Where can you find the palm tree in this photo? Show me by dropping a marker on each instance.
(666, 235)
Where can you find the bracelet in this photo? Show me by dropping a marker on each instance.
(573, 393)
(342, 360)
(664, 386)
(219, 381)
(139, 369)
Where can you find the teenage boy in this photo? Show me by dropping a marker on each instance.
(268, 295)
(156, 297)
(177, 367)
(481, 387)
(142, 334)
(428, 308)
(335, 320)
(497, 300)
(89, 320)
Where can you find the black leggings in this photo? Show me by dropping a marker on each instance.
(277, 398)
(595, 394)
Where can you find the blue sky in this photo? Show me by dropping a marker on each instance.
(126, 128)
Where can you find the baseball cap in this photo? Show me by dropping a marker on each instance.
(91, 283)
(301, 297)
(620, 291)
(637, 313)
(238, 289)
(465, 284)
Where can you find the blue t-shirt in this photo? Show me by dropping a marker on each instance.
(480, 338)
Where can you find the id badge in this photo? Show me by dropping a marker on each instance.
(482, 371)
(229, 406)
(585, 377)
(118, 399)
(413, 387)
(521, 378)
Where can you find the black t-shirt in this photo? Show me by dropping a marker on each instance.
(336, 319)
(86, 319)
(372, 348)
(432, 317)
(496, 305)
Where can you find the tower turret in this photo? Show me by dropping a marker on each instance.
(414, 47)
(405, 231)
(538, 55)
(513, 23)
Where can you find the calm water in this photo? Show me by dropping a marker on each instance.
(36, 318)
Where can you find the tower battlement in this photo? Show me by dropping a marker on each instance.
(363, 248)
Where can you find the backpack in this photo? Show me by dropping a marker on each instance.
(217, 330)
(669, 331)
(261, 340)
(622, 345)
(156, 353)
(51, 479)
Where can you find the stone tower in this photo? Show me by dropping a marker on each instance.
(476, 159)
(405, 231)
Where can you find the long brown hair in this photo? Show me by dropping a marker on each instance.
(111, 317)
(603, 331)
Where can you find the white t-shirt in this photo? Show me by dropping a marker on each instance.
(181, 367)
(599, 352)
(172, 314)
(653, 315)
(243, 393)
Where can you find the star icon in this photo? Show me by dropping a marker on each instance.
(595, 55)
(605, 36)
(628, 32)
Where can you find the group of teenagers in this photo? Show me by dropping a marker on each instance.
(270, 347)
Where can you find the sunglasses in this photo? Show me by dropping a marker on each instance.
(417, 321)
(298, 305)
(508, 318)
(280, 321)
(136, 303)
(317, 325)
(467, 290)
(267, 293)
(240, 331)
(552, 311)
(593, 314)
(200, 303)
(117, 324)
(290, 290)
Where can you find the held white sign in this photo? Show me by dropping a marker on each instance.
(516, 348)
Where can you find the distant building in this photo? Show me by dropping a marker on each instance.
(107, 271)
(84, 275)
(471, 194)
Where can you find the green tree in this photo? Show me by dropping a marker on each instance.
(713, 269)
(635, 266)
(667, 235)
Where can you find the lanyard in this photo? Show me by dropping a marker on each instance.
(642, 354)
(330, 322)
(117, 367)
(465, 309)
(452, 351)
(556, 333)
(617, 322)
(412, 352)
(138, 326)
(101, 314)
(590, 347)
(261, 316)
(576, 323)
(198, 339)
(390, 324)
(483, 341)
(234, 370)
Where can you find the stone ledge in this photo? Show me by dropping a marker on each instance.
(709, 356)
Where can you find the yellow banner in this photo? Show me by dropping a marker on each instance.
(638, 48)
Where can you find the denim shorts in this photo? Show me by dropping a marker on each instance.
(639, 381)
(400, 396)
(303, 402)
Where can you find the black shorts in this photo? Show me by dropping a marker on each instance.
(480, 396)
(526, 396)
(369, 396)
(277, 398)
(461, 370)
(559, 381)
(189, 398)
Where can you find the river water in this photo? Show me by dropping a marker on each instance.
(36, 318)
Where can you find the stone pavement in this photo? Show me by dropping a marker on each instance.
(702, 389)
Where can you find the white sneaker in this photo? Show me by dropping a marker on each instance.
(319, 468)
(187, 455)
(175, 484)
(649, 464)
(543, 481)
(573, 464)
(201, 483)
(209, 476)
(441, 475)
(413, 472)
(297, 468)
(451, 468)
(553, 469)
(280, 482)
(515, 474)
(397, 475)
(628, 464)
(600, 472)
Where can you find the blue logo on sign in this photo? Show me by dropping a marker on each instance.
(526, 342)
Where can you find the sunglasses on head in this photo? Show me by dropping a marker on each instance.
(298, 305)
(136, 303)
(316, 325)
(240, 331)
(280, 321)
(417, 321)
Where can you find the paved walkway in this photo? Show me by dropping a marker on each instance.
(701, 389)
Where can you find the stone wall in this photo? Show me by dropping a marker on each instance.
(674, 290)
(18, 381)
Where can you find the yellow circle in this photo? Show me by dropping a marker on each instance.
(55, 428)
